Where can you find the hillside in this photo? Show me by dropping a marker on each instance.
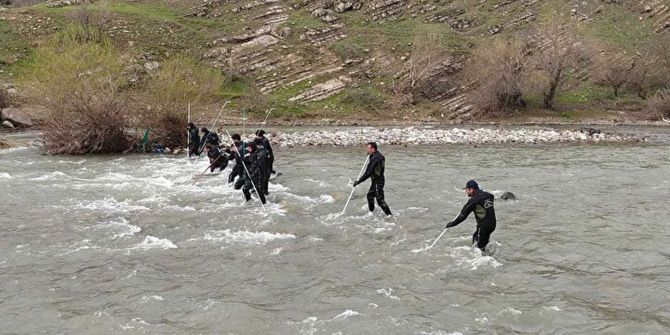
(346, 59)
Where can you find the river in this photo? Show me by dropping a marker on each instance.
(129, 245)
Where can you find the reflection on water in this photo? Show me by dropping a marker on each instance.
(129, 244)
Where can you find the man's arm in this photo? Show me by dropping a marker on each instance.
(368, 172)
(467, 209)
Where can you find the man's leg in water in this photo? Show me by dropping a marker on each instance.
(234, 173)
(475, 236)
(247, 194)
(371, 197)
(484, 234)
(239, 183)
(379, 194)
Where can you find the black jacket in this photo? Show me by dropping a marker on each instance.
(482, 204)
(210, 137)
(266, 144)
(375, 168)
(195, 138)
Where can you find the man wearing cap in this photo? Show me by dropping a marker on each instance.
(375, 172)
(482, 204)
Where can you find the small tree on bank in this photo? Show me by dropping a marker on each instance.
(613, 70)
(79, 79)
(498, 68)
(555, 50)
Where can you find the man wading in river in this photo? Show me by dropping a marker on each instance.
(193, 149)
(375, 172)
(482, 204)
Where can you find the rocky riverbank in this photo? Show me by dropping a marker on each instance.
(419, 135)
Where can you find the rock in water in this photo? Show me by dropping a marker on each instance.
(16, 117)
(7, 124)
(508, 196)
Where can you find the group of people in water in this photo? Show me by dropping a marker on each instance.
(254, 165)
(254, 160)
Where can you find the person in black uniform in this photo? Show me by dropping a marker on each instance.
(194, 147)
(208, 136)
(375, 172)
(266, 163)
(217, 159)
(260, 134)
(253, 179)
(238, 169)
(482, 204)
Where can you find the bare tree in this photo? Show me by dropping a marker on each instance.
(612, 70)
(499, 68)
(556, 48)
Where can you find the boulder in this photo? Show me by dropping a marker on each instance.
(7, 124)
(16, 117)
(508, 196)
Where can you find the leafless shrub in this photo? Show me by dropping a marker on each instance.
(427, 54)
(80, 82)
(498, 68)
(658, 107)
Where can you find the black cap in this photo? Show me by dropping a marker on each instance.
(260, 132)
(471, 184)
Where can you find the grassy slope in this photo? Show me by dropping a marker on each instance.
(163, 29)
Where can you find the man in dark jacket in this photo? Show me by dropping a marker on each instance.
(255, 164)
(238, 169)
(266, 171)
(217, 159)
(375, 172)
(208, 137)
(194, 139)
(481, 203)
(260, 134)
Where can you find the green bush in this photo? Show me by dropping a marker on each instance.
(78, 76)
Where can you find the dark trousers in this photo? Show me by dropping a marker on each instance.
(218, 163)
(377, 191)
(193, 150)
(266, 181)
(237, 171)
(271, 162)
(481, 236)
(248, 187)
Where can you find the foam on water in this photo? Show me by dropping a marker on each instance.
(109, 205)
(152, 297)
(56, 175)
(122, 226)
(318, 182)
(151, 242)
(244, 237)
(471, 258)
(5, 175)
(388, 292)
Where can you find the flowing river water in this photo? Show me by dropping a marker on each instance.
(128, 245)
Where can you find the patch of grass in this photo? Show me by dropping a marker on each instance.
(396, 37)
(584, 94)
(152, 26)
(279, 99)
(13, 50)
(621, 28)
(352, 47)
(234, 89)
(302, 20)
